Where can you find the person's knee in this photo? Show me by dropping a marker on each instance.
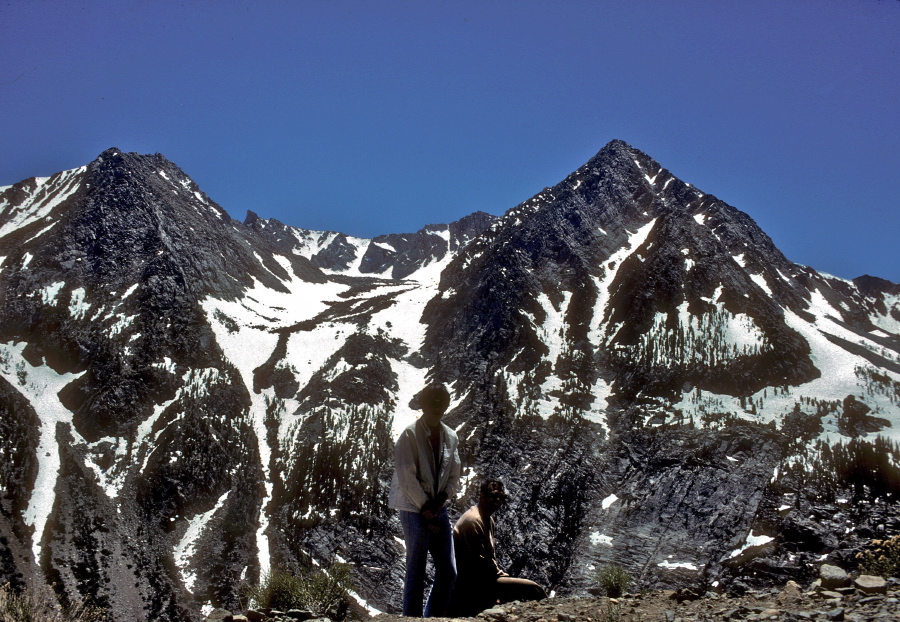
(447, 573)
(532, 591)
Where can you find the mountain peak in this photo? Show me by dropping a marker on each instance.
(873, 285)
(618, 152)
(114, 157)
(617, 144)
(111, 153)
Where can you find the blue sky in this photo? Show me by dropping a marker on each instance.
(380, 117)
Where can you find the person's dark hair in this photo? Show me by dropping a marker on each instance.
(434, 397)
(489, 486)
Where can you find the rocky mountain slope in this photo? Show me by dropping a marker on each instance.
(187, 401)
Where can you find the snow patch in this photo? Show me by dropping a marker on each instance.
(129, 291)
(78, 308)
(673, 565)
(41, 232)
(50, 292)
(40, 386)
(612, 265)
(751, 541)
(761, 281)
(887, 321)
(186, 547)
(385, 246)
(122, 322)
(601, 392)
(598, 539)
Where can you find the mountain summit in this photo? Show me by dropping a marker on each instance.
(187, 401)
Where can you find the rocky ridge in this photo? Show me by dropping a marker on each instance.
(187, 400)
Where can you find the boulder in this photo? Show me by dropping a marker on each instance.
(833, 577)
(790, 594)
(870, 584)
(219, 615)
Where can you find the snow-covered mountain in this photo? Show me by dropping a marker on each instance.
(187, 401)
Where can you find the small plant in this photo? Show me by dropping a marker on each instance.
(323, 592)
(41, 606)
(612, 613)
(883, 559)
(613, 579)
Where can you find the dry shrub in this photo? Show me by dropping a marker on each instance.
(41, 606)
(883, 559)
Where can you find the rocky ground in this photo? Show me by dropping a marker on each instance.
(833, 597)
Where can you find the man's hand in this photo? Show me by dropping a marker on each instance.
(429, 512)
(431, 508)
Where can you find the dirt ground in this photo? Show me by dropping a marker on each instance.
(788, 604)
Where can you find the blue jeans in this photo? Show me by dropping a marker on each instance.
(419, 542)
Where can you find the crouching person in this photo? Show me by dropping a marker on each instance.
(480, 583)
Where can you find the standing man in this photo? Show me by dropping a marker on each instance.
(481, 583)
(426, 474)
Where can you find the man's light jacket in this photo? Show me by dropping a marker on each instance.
(413, 482)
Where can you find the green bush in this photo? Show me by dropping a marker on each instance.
(323, 592)
(613, 579)
(883, 559)
(41, 606)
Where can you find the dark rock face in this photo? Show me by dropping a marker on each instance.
(560, 243)
(402, 255)
(874, 286)
(681, 502)
(187, 401)
(394, 256)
